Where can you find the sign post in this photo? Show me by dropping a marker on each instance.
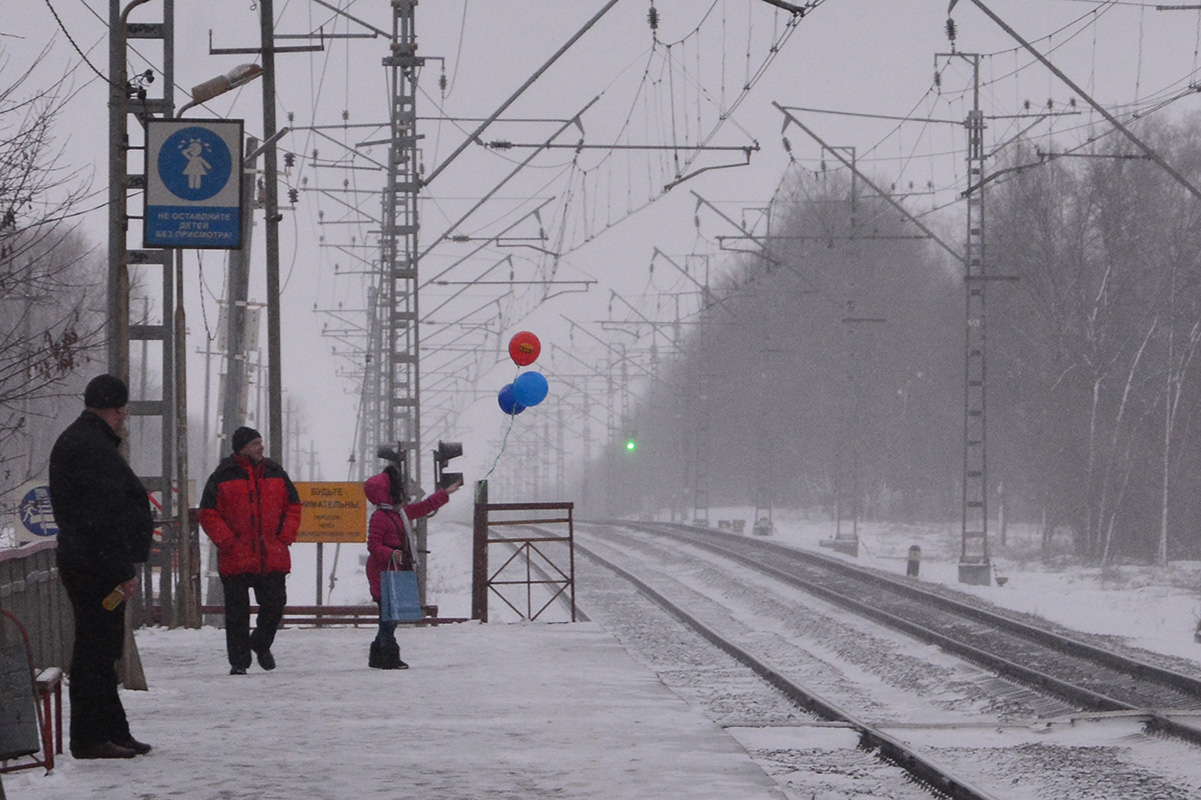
(193, 184)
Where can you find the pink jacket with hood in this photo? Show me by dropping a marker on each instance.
(389, 529)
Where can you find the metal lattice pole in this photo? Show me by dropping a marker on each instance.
(974, 564)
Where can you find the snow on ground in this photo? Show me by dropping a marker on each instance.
(485, 711)
(1149, 607)
(518, 710)
(513, 711)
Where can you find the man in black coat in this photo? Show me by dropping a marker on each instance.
(104, 528)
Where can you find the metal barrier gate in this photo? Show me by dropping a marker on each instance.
(530, 552)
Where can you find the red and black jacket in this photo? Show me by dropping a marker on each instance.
(252, 513)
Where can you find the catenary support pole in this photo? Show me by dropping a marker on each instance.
(271, 204)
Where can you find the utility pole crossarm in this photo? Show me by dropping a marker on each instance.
(450, 229)
(790, 118)
(655, 326)
(486, 242)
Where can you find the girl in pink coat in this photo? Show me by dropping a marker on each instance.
(389, 545)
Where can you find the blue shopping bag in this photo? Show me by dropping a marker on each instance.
(399, 601)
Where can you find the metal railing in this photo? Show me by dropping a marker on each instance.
(31, 591)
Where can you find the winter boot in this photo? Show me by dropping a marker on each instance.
(376, 659)
(390, 653)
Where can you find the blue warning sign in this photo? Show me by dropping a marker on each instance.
(193, 183)
(35, 517)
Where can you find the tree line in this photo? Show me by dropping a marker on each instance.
(827, 372)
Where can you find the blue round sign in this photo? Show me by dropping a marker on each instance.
(194, 163)
(35, 512)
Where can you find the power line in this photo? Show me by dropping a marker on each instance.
(71, 39)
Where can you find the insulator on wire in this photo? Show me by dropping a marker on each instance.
(293, 196)
(500, 144)
(652, 17)
(951, 30)
(289, 160)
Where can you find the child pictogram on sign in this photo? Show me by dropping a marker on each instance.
(197, 167)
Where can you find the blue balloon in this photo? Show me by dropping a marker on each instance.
(529, 389)
(508, 403)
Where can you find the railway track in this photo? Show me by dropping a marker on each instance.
(1093, 677)
(1081, 674)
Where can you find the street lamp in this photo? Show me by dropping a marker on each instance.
(238, 76)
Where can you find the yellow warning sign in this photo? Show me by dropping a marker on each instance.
(333, 512)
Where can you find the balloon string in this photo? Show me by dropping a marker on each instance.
(504, 441)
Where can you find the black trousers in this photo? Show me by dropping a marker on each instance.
(271, 595)
(97, 715)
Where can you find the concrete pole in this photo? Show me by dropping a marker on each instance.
(189, 576)
(237, 290)
(117, 330)
(271, 201)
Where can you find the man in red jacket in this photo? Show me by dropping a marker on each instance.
(251, 511)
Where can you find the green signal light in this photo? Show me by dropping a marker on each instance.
(631, 445)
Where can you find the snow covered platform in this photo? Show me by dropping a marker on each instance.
(520, 711)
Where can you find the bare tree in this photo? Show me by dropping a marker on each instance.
(50, 296)
(1098, 342)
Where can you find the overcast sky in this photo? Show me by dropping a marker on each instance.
(607, 213)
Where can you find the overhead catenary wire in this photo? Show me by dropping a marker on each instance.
(1154, 156)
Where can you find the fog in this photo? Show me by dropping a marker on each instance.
(701, 277)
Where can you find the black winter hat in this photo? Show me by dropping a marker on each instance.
(105, 391)
(244, 436)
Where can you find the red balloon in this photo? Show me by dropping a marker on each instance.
(524, 348)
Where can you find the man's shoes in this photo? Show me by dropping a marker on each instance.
(102, 750)
(141, 748)
(266, 660)
(237, 670)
